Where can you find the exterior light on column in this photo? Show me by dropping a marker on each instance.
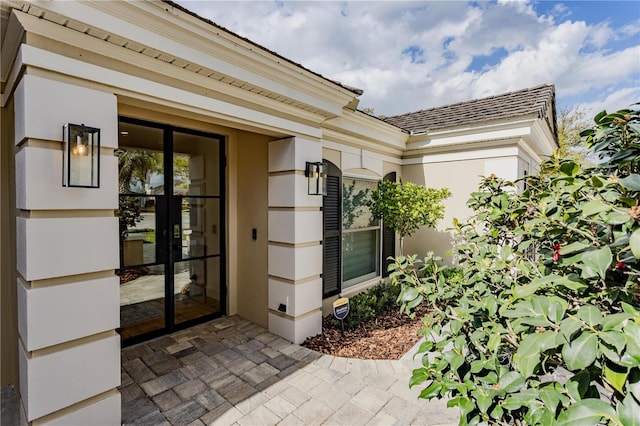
(81, 156)
(316, 174)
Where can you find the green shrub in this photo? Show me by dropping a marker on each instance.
(364, 306)
(419, 279)
(544, 326)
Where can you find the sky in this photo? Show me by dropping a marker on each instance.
(413, 55)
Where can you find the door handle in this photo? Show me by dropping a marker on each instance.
(176, 231)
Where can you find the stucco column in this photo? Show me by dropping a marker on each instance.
(295, 235)
(67, 250)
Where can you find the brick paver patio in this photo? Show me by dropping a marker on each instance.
(232, 372)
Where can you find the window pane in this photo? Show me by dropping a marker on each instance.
(359, 256)
(200, 227)
(355, 212)
(137, 218)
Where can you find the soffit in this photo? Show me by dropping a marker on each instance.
(164, 57)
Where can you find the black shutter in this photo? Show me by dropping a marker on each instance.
(388, 239)
(332, 233)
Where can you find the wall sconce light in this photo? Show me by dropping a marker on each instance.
(316, 174)
(81, 156)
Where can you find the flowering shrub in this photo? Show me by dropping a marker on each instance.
(544, 327)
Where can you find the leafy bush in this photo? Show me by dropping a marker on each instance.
(419, 279)
(544, 327)
(379, 298)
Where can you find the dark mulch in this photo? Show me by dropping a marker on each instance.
(389, 335)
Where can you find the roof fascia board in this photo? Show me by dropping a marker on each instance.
(530, 152)
(504, 129)
(100, 47)
(10, 45)
(369, 128)
(547, 142)
(508, 150)
(344, 139)
(389, 157)
(104, 16)
(136, 87)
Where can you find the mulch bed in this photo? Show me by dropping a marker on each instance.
(389, 335)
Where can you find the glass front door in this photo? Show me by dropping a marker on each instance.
(171, 184)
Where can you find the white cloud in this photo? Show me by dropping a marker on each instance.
(615, 101)
(361, 43)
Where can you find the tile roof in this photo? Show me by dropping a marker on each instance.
(536, 100)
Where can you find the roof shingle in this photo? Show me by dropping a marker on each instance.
(536, 100)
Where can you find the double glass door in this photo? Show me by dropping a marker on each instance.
(172, 228)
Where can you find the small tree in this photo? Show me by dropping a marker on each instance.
(405, 206)
(571, 121)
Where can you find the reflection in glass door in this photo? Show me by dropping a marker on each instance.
(171, 228)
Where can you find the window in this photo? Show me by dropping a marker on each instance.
(360, 233)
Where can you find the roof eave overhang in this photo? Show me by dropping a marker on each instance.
(530, 127)
(362, 127)
(175, 33)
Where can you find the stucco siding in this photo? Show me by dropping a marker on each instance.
(462, 178)
(252, 213)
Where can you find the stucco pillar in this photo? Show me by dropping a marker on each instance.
(67, 250)
(295, 235)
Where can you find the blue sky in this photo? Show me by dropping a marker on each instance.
(412, 55)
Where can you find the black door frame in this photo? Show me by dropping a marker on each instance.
(168, 209)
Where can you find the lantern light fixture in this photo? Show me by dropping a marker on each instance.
(81, 156)
(316, 174)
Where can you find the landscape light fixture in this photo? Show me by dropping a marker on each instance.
(316, 174)
(81, 156)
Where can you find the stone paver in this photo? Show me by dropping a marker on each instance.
(232, 372)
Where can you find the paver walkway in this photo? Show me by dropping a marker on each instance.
(232, 372)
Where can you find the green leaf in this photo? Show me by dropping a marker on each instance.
(581, 352)
(527, 357)
(511, 382)
(590, 315)
(586, 412)
(522, 291)
(631, 182)
(419, 376)
(616, 321)
(568, 326)
(581, 380)
(634, 243)
(628, 411)
(482, 400)
(632, 335)
(615, 375)
(574, 248)
(431, 391)
(569, 168)
(615, 339)
(617, 217)
(494, 342)
(425, 347)
(555, 309)
(594, 207)
(408, 294)
(634, 383)
(596, 262)
(550, 396)
(520, 399)
(629, 309)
